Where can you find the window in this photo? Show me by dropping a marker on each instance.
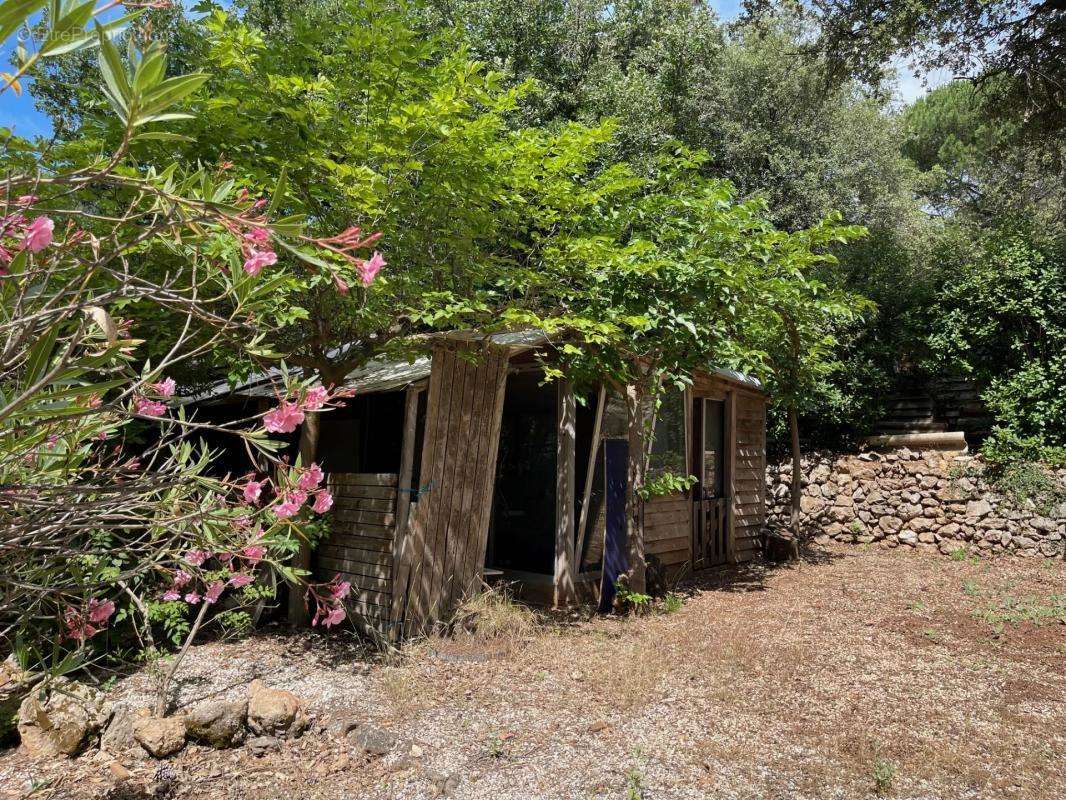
(668, 444)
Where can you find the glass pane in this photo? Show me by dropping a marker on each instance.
(668, 444)
(713, 457)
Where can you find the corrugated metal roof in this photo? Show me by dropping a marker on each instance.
(386, 375)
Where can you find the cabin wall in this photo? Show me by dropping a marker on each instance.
(668, 531)
(749, 477)
(442, 552)
(359, 548)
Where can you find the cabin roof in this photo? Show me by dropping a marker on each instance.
(388, 375)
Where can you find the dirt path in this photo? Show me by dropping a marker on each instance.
(850, 672)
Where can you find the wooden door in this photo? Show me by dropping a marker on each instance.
(711, 520)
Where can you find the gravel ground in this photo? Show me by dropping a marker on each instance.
(846, 674)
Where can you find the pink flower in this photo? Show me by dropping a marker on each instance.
(165, 387)
(284, 418)
(298, 496)
(224, 557)
(192, 598)
(149, 408)
(310, 478)
(214, 591)
(340, 284)
(254, 552)
(240, 579)
(315, 398)
(172, 594)
(252, 491)
(286, 509)
(340, 590)
(242, 522)
(334, 617)
(369, 269)
(196, 557)
(26, 200)
(323, 502)
(257, 259)
(258, 235)
(181, 577)
(100, 610)
(77, 627)
(38, 234)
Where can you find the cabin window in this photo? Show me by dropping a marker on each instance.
(668, 443)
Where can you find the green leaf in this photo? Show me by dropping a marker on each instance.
(162, 136)
(40, 354)
(279, 192)
(171, 91)
(111, 67)
(14, 12)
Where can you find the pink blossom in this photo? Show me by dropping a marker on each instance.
(172, 594)
(257, 259)
(149, 408)
(310, 478)
(369, 269)
(323, 502)
(26, 200)
(340, 589)
(258, 235)
(77, 627)
(254, 552)
(181, 577)
(214, 591)
(192, 598)
(252, 491)
(286, 509)
(38, 234)
(196, 557)
(298, 496)
(240, 579)
(284, 418)
(165, 387)
(100, 610)
(315, 398)
(224, 557)
(242, 522)
(334, 617)
(340, 284)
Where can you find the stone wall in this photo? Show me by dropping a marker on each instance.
(931, 501)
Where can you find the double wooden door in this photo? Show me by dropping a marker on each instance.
(710, 544)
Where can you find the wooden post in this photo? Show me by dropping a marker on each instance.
(401, 551)
(729, 461)
(564, 592)
(302, 560)
(590, 473)
(635, 476)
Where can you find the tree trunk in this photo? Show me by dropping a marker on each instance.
(302, 560)
(636, 469)
(797, 471)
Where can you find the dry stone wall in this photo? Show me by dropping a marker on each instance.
(930, 501)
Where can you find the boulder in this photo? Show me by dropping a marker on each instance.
(890, 524)
(274, 712)
(160, 736)
(15, 684)
(217, 724)
(61, 719)
(261, 745)
(908, 538)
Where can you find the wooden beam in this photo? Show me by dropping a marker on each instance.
(590, 472)
(565, 446)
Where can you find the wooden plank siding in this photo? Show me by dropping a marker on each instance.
(447, 528)
(668, 531)
(359, 547)
(749, 499)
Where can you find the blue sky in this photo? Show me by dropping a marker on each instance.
(19, 113)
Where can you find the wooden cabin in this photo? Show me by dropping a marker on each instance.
(466, 467)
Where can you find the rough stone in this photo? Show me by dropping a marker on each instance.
(160, 736)
(274, 712)
(261, 745)
(219, 725)
(890, 524)
(117, 737)
(373, 740)
(63, 721)
(978, 508)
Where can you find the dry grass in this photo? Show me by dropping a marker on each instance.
(849, 675)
